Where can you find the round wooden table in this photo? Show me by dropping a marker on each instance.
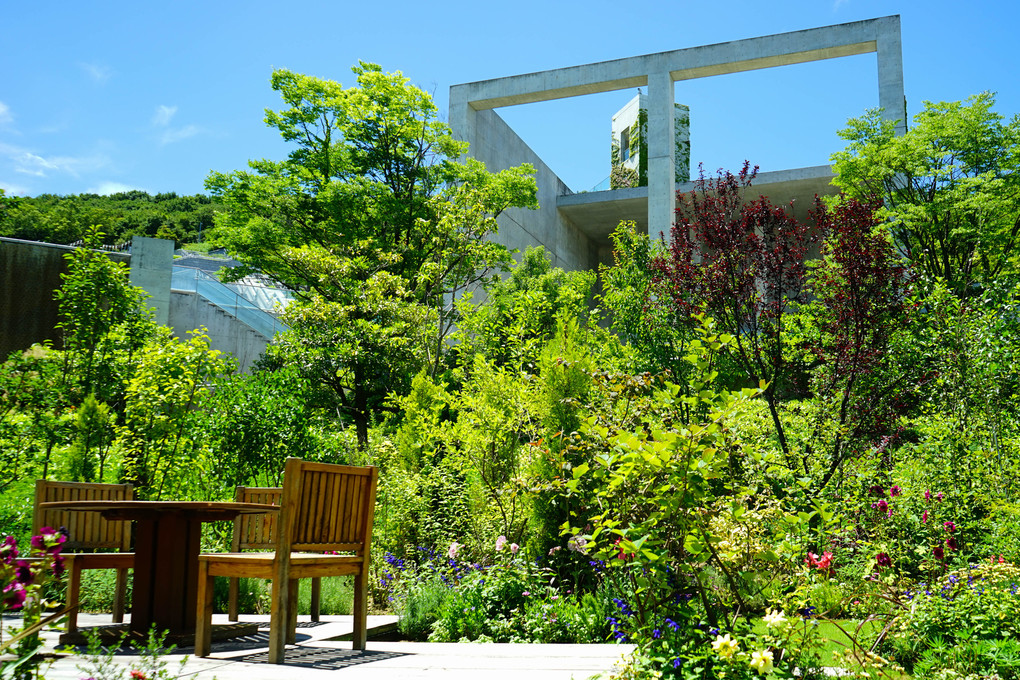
(167, 544)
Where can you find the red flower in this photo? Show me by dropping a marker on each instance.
(952, 544)
(137, 675)
(883, 560)
(939, 553)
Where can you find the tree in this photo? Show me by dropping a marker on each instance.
(743, 263)
(951, 186)
(371, 204)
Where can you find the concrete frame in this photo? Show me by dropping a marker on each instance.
(560, 223)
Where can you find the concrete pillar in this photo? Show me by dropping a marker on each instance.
(890, 72)
(462, 116)
(152, 265)
(661, 153)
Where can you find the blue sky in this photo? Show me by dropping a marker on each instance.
(110, 96)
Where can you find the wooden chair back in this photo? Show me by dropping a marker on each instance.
(86, 530)
(327, 507)
(256, 531)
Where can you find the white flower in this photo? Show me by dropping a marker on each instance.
(774, 618)
(725, 646)
(454, 547)
(761, 661)
(578, 544)
(500, 542)
(514, 548)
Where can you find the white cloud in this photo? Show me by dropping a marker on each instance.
(108, 188)
(178, 134)
(836, 4)
(13, 189)
(5, 114)
(28, 162)
(163, 115)
(97, 72)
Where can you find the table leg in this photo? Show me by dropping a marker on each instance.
(166, 574)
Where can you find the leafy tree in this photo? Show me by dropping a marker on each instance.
(656, 335)
(951, 186)
(102, 319)
(743, 263)
(520, 313)
(163, 396)
(373, 223)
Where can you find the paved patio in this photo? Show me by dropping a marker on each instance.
(318, 654)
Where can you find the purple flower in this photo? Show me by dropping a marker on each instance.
(877, 490)
(23, 573)
(883, 560)
(49, 540)
(8, 550)
(14, 595)
(882, 506)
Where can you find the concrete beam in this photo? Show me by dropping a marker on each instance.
(827, 42)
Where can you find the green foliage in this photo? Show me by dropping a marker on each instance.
(966, 622)
(374, 225)
(520, 313)
(66, 219)
(162, 395)
(951, 186)
(655, 336)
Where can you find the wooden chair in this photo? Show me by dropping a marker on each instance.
(258, 532)
(88, 531)
(324, 508)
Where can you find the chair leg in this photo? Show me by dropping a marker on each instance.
(119, 596)
(73, 566)
(232, 588)
(203, 622)
(292, 588)
(316, 594)
(278, 620)
(360, 611)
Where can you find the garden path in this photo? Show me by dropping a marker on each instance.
(318, 655)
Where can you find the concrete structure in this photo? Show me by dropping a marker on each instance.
(574, 228)
(234, 317)
(152, 263)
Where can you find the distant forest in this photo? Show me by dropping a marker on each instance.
(63, 219)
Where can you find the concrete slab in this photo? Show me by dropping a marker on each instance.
(319, 655)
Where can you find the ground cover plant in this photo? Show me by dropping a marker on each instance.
(743, 460)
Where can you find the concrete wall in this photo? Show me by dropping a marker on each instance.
(472, 104)
(499, 147)
(29, 276)
(189, 311)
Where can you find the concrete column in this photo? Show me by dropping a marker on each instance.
(890, 72)
(661, 153)
(462, 116)
(152, 265)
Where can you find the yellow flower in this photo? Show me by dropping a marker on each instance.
(774, 618)
(761, 661)
(724, 646)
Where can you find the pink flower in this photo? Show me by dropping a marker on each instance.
(500, 542)
(514, 548)
(578, 544)
(895, 491)
(553, 550)
(454, 548)
(940, 496)
(950, 527)
(8, 550)
(924, 517)
(883, 560)
(927, 494)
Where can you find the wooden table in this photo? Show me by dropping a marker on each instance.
(167, 544)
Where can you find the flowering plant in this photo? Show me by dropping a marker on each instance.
(22, 578)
